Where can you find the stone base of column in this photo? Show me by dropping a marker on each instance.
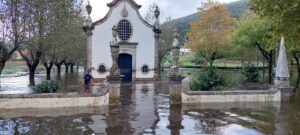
(175, 89)
(114, 85)
(283, 84)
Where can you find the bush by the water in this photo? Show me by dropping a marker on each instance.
(250, 72)
(208, 79)
(47, 86)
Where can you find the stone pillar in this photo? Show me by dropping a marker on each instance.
(175, 88)
(114, 79)
(89, 49)
(157, 32)
(282, 70)
(114, 92)
(88, 29)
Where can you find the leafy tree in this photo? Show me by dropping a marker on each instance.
(65, 40)
(209, 35)
(255, 32)
(12, 20)
(284, 15)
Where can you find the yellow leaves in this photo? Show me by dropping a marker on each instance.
(212, 30)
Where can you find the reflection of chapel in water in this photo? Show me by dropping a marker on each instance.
(138, 42)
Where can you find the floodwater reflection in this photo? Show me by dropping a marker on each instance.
(145, 110)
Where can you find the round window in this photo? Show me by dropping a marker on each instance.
(145, 69)
(124, 30)
(102, 69)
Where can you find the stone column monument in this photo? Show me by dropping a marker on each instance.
(114, 79)
(157, 32)
(282, 69)
(88, 29)
(282, 75)
(175, 77)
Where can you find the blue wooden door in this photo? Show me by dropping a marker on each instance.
(125, 65)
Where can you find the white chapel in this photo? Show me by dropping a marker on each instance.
(138, 42)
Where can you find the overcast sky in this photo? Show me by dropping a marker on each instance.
(172, 8)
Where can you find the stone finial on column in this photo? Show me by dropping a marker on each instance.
(88, 24)
(174, 73)
(282, 70)
(156, 15)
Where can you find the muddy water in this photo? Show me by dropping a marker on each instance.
(145, 110)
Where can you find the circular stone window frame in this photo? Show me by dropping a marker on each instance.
(130, 36)
(142, 69)
(105, 67)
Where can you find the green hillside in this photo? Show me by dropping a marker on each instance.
(236, 9)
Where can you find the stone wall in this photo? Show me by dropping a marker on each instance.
(55, 100)
(191, 97)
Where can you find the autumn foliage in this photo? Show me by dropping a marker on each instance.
(209, 35)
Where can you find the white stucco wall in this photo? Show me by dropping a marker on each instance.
(142, 34)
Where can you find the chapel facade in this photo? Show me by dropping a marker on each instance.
(138, 40)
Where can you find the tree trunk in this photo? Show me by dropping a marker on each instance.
(2, 65)
(270, 68)
(48, 66)
(67, 68)
(72, 67)
(48, 73)
(269, 57)
(58, 66)
(31, 76)
(298, 65)
(77, 67)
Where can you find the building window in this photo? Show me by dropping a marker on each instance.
(102, 69)
(145, 69)
(124, 30)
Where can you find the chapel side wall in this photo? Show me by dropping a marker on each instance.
(142, 34)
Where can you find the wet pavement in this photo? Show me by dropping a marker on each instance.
(144, 110)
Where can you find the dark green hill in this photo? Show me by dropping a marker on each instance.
(236, 9)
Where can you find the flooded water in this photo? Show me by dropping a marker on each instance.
(145, 110)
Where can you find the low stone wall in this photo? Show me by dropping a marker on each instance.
(192, 97)
(55, 100)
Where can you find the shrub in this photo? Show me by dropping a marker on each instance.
(208, 79)
(250, 72)
(47, 86)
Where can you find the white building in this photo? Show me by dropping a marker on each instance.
(137, 57)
